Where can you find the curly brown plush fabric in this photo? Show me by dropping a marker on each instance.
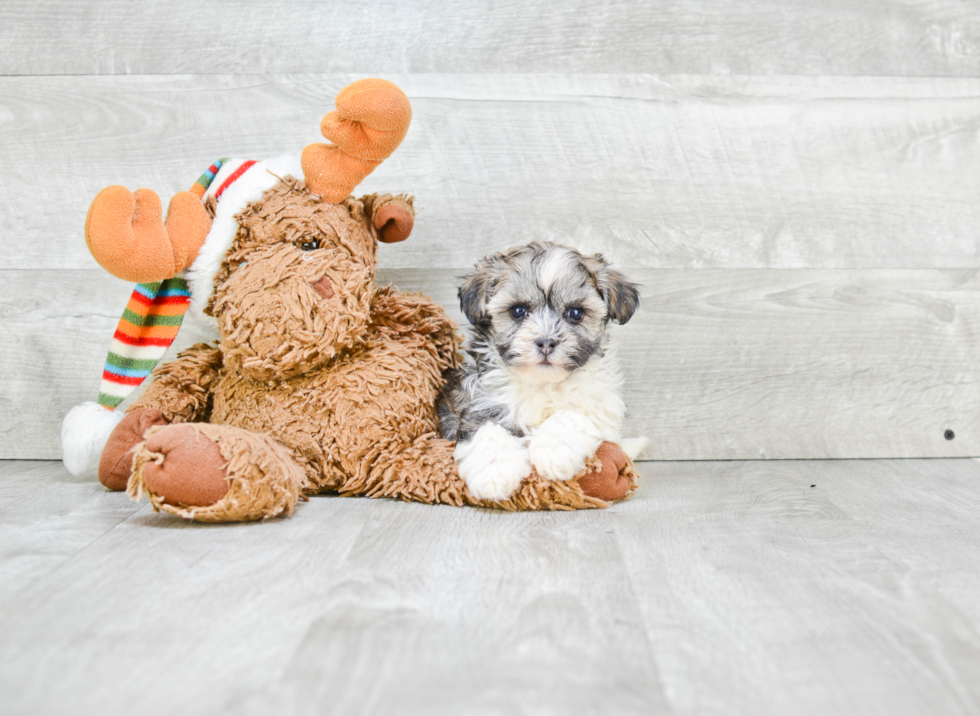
(321, 381)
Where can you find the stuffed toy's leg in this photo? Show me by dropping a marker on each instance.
(423, 471)
(426, 472)
(215, 473)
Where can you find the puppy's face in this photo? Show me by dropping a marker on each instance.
(543, 308)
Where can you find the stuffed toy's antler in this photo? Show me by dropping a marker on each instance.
(126, 235)
(370, 121)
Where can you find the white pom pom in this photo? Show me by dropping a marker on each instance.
(84, 433)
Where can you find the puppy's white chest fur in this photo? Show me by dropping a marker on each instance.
(528, 398)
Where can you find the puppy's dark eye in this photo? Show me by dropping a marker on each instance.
(575, 314)
(518, 313)
(311, 245)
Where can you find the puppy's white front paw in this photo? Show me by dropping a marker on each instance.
(493, 463)
(555, 458)
(559, 447)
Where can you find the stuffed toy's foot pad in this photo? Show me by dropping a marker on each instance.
(117, 456)
(215, 473)
(609, 483)
(188, 468)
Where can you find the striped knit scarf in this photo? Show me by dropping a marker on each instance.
(152, 318)
(147, 328)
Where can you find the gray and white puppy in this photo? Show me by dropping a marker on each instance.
(541, 387)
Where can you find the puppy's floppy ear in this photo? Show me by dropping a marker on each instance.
(620, 296)
(474, 294)
(478, 287)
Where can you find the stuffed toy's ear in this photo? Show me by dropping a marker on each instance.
(390, 217)
(620, 296)
(370, 121)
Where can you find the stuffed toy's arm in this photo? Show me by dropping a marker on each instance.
(181, 389)
(414, 316)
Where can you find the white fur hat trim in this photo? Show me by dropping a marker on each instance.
(248, 187)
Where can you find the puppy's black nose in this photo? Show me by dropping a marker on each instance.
(546, 345)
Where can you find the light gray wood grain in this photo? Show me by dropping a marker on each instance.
(47, 517)
(832, 37)
(663, 172)
(751, 588)
(806, 364)
(788, 587)
(485, 635)
(354, 606)
(718, 364)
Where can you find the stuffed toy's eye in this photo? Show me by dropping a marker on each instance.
(575, 314)
(311, 245)
(518, 312)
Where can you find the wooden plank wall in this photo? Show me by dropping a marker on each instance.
(794, 183)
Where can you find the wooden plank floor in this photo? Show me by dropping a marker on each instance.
(834, 587)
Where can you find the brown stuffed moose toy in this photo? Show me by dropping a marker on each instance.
(321, 380)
